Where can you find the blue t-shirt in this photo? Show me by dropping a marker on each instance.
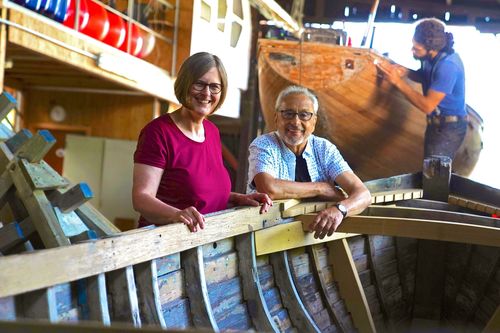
(448, 76)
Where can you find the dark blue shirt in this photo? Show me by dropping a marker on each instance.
(445, 74)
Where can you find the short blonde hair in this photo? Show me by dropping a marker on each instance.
(195, 67)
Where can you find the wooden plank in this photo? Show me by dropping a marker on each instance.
(123, 250)
(15, 233)
(494, 322)
(289, 236)
(320, 273)
(474, 191)
(42, 176)
(430, 275)
(221, 269)
(91, 327)
(431, 214)
(415, 228)
(171, 286)
(299, 315)
(36, 147)
(349, 285)
(148, 294)
(436, 178)
(122, 296)
(94, 220)
(40, 210)
(252, 290)
(15, 142)
(377, 274)
(395, 183)
(196, 289)
(478, 206)
(92, 295)
(86, 61)
(71, 199)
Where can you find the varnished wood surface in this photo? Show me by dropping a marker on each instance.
(376, 129)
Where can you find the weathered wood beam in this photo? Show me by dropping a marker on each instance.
(141, 246)
(474, 206)
(40, 210)
(71, 199)
(148, 294)
(42, 176)
(430, 214)
(15, 142)
(15, 233)
(395, 183)
(252, 289)
(37, 326)
(7, 101)
(94, 220)
(92, 290)
(289, 236)
(36, 147)
(122, 296)
(350, 288)
(320, 275)
(469, 189)
(299, 315)
(196, 289)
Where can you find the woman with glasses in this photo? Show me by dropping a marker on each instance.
(179, 174)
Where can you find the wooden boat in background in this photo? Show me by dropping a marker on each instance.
(425, 255)
(376, 129)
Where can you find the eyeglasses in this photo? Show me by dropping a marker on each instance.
(290, 114)
(214, 88)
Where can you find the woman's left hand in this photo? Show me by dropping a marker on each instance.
(253, 199)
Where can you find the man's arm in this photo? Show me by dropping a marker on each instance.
(426, 104)
(287, 189)
(328, 220)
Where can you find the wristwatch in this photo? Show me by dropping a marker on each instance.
(341, 208)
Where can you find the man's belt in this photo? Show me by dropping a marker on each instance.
(436, 120)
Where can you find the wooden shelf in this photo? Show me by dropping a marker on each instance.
(43, 53)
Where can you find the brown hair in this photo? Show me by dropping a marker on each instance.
(430, 33)
(195, 67)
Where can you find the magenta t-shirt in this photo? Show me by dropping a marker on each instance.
(194, 173)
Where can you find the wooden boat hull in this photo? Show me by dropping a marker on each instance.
(262, 272)
(376, 129)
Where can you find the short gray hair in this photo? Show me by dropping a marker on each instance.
(291, 90)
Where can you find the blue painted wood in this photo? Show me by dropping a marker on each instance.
(273, 299)
(266, 277)
(282, 320)
(7, 308)
(16, 141)
(47, 135)
(177, 314)
(167, 264)
(307, 284)
(217, 249)
(225, 294)
(64, 298)
(235, 319)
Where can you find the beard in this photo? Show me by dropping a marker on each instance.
(293, 141)
(425, 57)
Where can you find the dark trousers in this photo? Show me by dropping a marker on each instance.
(445, 138)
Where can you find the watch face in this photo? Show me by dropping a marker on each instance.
(342, 209)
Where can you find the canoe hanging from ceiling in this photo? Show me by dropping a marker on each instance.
(376, 129)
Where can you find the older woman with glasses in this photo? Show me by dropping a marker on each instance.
(294, 163)
(179, 174)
